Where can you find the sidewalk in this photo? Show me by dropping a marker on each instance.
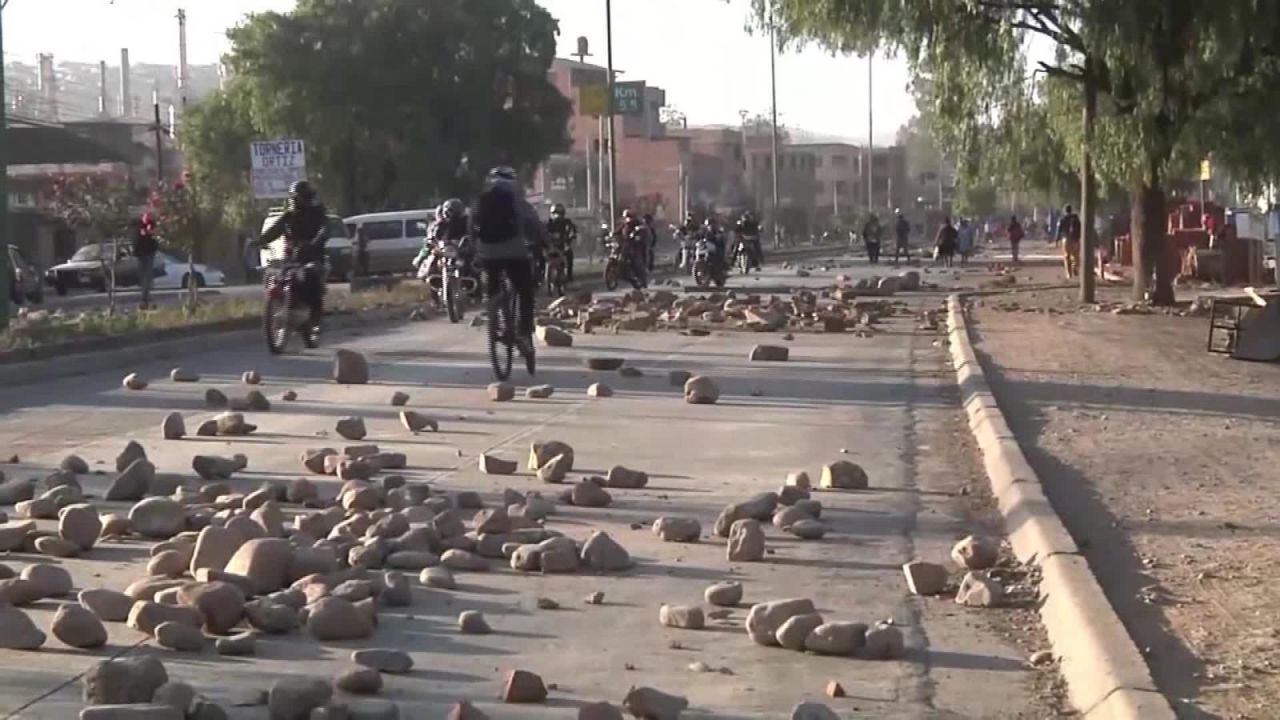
(1161, 460)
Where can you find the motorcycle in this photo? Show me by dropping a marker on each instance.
(446, 273)
(556, 272)
(706, 267)
(619, 266)
(742, 255)
(284, 311)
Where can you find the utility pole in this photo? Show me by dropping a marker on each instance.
(126, 93)
(158, 127)
(613, 146)
(4, 201)
(871, 140)
(773, 89)
(584, 52)
(183, 79)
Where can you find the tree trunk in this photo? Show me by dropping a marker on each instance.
(1088, 191)
(1149, 227)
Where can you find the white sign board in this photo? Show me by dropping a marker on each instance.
(275, 165)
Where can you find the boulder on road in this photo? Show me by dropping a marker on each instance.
(836, 638)
(883, 642)
(132, 482)
(978, 589)
(78, 627)
(701, 390)
(765, 618)
(490, 465)
(652, 704)
(173, 427)
(677, 529)
(724, 594)
(417, 422)
(746, 541)
(599, 390)
(133, 381)
(975, 553)
(80, 524)
(501, 391)
(350, 428)
(769, 353)
(265, 561)
(181, 374)
(844, 475)
(626, 478)
(552, 336)
(335, 619)
(350, 368)
(793, 632)
(589, 494)
(523, 686)
(925, 578)
(603, 554)
(682, 616)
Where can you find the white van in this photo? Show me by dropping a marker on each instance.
(393, 238)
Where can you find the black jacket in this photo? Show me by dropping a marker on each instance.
(562, 231)
(305, 232)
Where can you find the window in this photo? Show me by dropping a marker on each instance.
(840, 160)
(86, 254)
(817, 162)
(384, 230)
(338, 230)
(822, 188)
(842, 187)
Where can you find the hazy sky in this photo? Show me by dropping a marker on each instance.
(696, 49)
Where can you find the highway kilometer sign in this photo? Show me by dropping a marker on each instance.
(275, 165)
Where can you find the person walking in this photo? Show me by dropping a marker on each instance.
(966, 240)
(1069, 235)
(902, 237)
(944, 243)
(871, 235)
(145, 247)
(1016, 233)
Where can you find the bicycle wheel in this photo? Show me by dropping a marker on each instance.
(526, 349)
(501, 328)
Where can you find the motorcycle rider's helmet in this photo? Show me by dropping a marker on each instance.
(690, 219)
(629, 215)
(451, 209)
(746, 215)
(557, 210)
(301, 194)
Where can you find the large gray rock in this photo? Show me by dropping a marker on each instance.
(179, 636)
(50, 580)
(17, 631)
(335, 619)
(132, 482)
(682, 616)
(770, 353)
(351, 428)
(387, 660)
(265, 561)
(813, 711)
(677, 529)
(350, 368)
(836, 638)
(173, 427)
(108, 605)
(80, 525)
(214, 547)
(14, 534)
(293, 698)
(603, 554)
(133, 450)
(978, 589)
(221, 603)
(589, 494)
(653, 704)
(158, 517)
(78, 628)
(133, 711)
(746, 541)
(884, 642)
(765, 618)
(793, 633)
(130, 679)
(843, 475)
(701, 390)
(975, 553)
(213, 467)
(15, 491)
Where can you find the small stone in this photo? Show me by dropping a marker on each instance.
(589, 494)
(765, 618)
(836, 638)
(244, 643)
(884, 642)
(107, 605)
(813, 711)
(181, 374)
(975, 553)
(652, 704)
(677, 529)
(501, 392)
(359, 681)
(599, 390)
(133, 382)
(682, 616)
(250, 377)
(539, 392)
(179, 636)
(314, 459)
(835, 689)
(546, 603)
(792, 633)
(626, 478)
(1041, 658)
(387, 660)
(844, 475)
(173, 427)
(351, 428)
(288, 396)
(603, 554)
(74, 464)
(552, 336)
(595, 598)
(523, 686)
(491, 465)
(350, 368)
(769, 353)
(724, 594)
(701, 390)
(293, 698)
(438, 577)
(630, 372)
(417, 422)
(78, 628)
(925, 578)
(746, 541)
(472, 622)
(979, 589)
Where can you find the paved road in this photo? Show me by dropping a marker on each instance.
(881, 399)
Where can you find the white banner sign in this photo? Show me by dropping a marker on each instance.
(275, 165)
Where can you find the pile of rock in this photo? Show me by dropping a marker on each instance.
(975, 555)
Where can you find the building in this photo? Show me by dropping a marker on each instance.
(717, 172)
(797, 182)
(841, 177)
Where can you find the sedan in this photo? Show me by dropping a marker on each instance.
(171, 274)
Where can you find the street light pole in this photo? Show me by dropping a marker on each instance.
(613, 146)
(773, 88)
(4, 200)
(870, 141)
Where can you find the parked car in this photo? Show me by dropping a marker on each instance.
(394, 238)
(338, 249)
(24, 279)
(86, 269)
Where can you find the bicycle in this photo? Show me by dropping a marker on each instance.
(503, 311)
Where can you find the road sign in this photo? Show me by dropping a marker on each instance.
(275, 165)
(1206, 170)
(592, 99)
(628, 98)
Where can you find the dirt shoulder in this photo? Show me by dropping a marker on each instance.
(1160, 458)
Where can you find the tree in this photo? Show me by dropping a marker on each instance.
(185, 221)
(399, 103)
(99, 207)
(215, 141)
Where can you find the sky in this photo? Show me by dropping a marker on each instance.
(698, 50)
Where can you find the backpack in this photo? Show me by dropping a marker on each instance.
(497, 219)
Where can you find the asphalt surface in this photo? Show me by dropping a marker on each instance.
(839, 397)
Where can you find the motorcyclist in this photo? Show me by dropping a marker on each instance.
(450, 227)
(563, 234)
(304, 225)
(631, 232)
(508, 234)
(712, 233)
(749, 230)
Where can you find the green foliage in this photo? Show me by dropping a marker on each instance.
(400, 103)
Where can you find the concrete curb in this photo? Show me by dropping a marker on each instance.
(1107, 678)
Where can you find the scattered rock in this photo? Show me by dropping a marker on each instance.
(599, 711)
(556, 469)
(158, 517)
(351, 428)
(358, 681)
(78, 627)
(213, 467)
(769, 353)
(595, 598)
(746, 541)
(181, 374)
(523, 686)
(264, 561)
(288, 396)
(765, 618)
(456, 559)
(626, 478)
(589, 494)
(129, 679)
(244, 643)
(387, 660)
(606, 364)
(539, 392)
(546, 603)
(173, 427)
(599, 390)
(1041, 658)
(844, 475)
(80, 524)
(552, 336)
(293, 698)
(490, 465)
(836, 638)
(884, 642)
(925, 578)
(501, 392)
(682, 616)
(132, 483)
(678, 378)
(701, 390)
(133, 382)
(652, 704)
(603, 554)
(335, 619)
(978, 589)
(350, 368)
(792, 633)
(472, 622)
(466, 711)
(677, 529)
(417, 422)
(179, 636)
(975, 553)
(49, 580)
(813, 711)
(438, 577)
(221, 603)
(808, 529)
(724, 594)
(107, 605)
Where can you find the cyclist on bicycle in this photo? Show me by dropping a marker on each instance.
(507, 235)
(304, 225)
(563, 233)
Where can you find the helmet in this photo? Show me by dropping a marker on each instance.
(689, 217)
(502, 173)
(302, 190)
(746, 214)
(451, 209)
(557, 210)
(628, 214)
